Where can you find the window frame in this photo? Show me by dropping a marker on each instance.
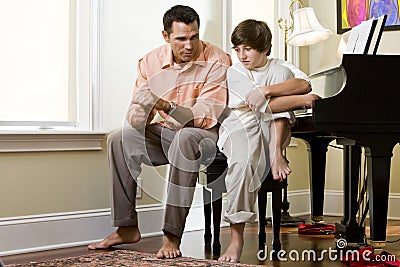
(86, 133)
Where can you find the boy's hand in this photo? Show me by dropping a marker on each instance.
(309, 98)
(256, 100)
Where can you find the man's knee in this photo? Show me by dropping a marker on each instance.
(190, 147)
(196, 140)
(187, 134)
(114, 137)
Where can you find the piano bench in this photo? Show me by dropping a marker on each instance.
(212, 201)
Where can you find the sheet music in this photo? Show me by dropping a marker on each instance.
(358, 38)
(364, 38)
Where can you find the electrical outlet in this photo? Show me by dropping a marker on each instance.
(139, 187)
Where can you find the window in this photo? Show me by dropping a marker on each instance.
(49, 75)
(46, 62)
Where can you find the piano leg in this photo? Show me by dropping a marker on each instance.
(351, 169)
(379, 156)
(349, 228)
(317, 147)
(378, 188)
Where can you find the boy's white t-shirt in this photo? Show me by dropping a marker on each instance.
(241, 81)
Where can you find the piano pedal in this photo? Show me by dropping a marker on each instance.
(377, 245)
(317, 219)
(352, 234)
(328, 232)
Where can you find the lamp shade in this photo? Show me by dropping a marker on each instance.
(306, 28)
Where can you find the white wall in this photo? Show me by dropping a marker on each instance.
(254, 9)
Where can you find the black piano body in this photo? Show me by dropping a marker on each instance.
(365, 111)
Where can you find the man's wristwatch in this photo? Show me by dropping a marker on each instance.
(172, 107)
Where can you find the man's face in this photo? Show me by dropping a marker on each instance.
(184, 40)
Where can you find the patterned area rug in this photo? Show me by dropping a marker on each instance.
(122, 258)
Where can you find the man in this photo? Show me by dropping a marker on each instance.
(184, 82)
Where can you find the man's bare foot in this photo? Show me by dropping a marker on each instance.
(280, 168)
(170, 247)
(123, 235)
(232, 253)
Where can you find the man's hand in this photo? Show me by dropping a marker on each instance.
(144, 98)
(137, 115)
(255, 99)
(148, 100)
(143, 103)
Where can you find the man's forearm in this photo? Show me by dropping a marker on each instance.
(292, 86)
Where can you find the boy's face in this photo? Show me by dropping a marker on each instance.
(250, 57)
(184, 40)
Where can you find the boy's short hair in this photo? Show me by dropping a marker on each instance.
(253, 33)
(180, 13)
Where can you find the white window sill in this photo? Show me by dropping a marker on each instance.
(50, 140)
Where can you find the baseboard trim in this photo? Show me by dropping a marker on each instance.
(394, 201)
(60, 230)
(334, 204)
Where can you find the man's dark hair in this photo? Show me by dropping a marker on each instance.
(179, 13)
(253, 33)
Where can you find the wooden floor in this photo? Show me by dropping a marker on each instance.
(192, 246)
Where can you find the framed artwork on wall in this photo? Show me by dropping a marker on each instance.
(350, 13)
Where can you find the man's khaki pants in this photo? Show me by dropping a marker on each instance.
(184, 149)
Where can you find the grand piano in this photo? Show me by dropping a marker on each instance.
(364, 113)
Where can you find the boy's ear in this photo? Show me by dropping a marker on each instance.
(267, 52)
(166, 36)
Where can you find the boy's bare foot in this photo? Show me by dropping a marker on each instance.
(280, 168)
(123, 235)
(170, 247)
(232, 253)
(234, 250)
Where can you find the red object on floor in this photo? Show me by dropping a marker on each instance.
(316, 229)
(366, 257)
